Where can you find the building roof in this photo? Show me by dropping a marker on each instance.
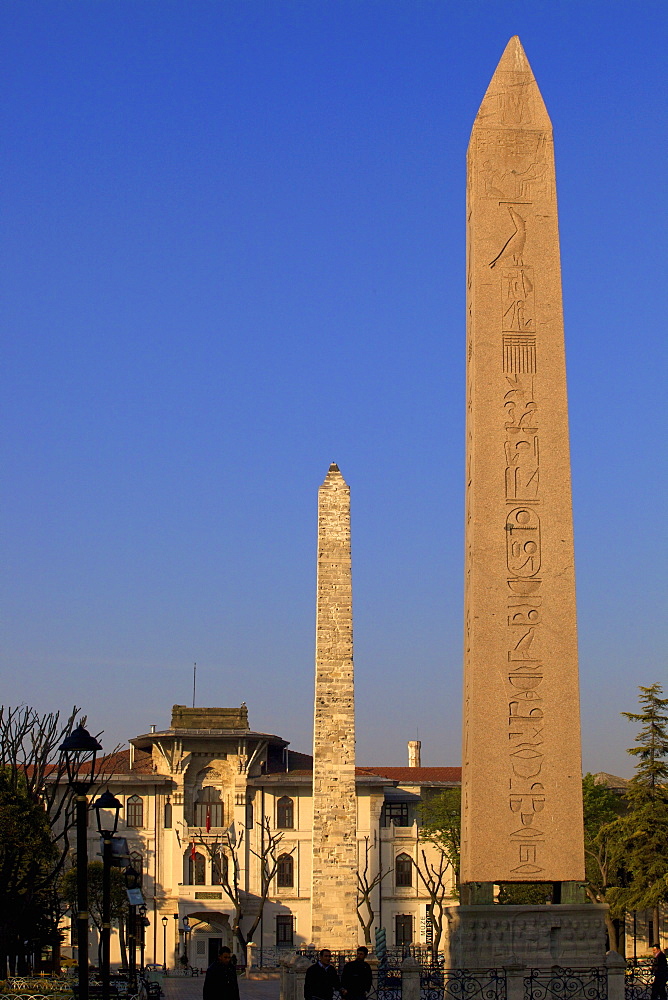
(374, 775)
(612, 781)
(418, 775)
(147, 739)
(120, 763)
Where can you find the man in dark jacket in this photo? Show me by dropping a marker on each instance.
(321, 978)
(660, 972)
(220, 982)
(356, 978)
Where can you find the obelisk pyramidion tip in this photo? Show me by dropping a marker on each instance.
(513, 99)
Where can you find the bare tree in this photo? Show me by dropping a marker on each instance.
(36, 816)
(433, 875)
(36, 819)
(225, 855)
(365, 887)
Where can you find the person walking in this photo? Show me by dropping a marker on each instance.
(220, 982)
(356, 978)
(660, 973)
(321, 978)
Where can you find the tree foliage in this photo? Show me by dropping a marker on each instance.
(27, 858)
(118, 896)
(651, 777)
(441, 825)
(641, 834)
(525, 893)
(35, 820)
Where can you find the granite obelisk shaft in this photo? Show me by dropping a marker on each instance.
(334, 884)
(521, 783)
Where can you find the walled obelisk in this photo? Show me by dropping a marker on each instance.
(334, 883)
(521, 783)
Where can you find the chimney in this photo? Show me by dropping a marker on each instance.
(152, 728)
(414, 747)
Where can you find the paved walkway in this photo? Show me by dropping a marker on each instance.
(190, 988)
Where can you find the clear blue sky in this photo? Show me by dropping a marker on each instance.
(233, 253)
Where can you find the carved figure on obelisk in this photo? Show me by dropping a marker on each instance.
(334, 882)
(521, 782)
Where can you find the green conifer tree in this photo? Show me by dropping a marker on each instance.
(643, 832)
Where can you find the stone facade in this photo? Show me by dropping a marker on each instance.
(334, 881)
(522, 807)
(169, 779)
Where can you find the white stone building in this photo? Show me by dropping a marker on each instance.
(209, 769)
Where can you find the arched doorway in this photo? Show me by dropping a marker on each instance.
(208, 932)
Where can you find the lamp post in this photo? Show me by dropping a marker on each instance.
(132, 880)
(186, 928)
(165, 921)
(143, 922)
(107, 808)
(78, 753)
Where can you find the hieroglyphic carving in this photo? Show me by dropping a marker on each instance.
(522, 458)
(523, 542)
(526, 711)
(519, 353)
(529, 179)
(519, 403)
(517, 300)
(514, 244)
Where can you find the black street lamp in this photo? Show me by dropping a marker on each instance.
(78, 753)
(186, 928)
(107, 808)
(165, 921)
(132, 881)
(143, 923)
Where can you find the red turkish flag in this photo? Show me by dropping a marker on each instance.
(208, 818)
(193, 852)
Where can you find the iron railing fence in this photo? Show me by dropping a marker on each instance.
(436, 982)
(566, 984)
(638, 979)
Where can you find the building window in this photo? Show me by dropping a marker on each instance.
(134, 811)
(219, 865)
(395, 812)
(137, 862)
(403, 871)
(285, 813)
(403, 929)
(285, 871)
(208, 808)
(196, 869)
(284, 931)
(168, 815)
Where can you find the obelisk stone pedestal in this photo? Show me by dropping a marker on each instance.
(527, 937)
(334, 919)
